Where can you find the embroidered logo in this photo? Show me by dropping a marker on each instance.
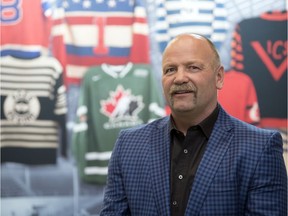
(21, 107)
(122, 108)
(277, 52)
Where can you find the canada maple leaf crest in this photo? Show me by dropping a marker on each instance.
(122, 105)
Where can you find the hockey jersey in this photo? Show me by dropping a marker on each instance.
(96, 32)
(206, 17)
(25, 28)
(238, 97)
(111, 98)
(33, 108)
(259, 49)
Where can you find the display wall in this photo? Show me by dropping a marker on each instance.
(76, 72)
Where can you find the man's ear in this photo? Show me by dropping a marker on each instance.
(220, 77)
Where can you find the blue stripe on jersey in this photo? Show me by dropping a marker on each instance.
(219, 18)
(201, 11)
(162, 18)
(220, 31)
(190, 24)
(186, 0)
(20, 54)
(205, 11)
(120, 6)
(220, 5)
(162, 31)
(217, 44)
(88, 51)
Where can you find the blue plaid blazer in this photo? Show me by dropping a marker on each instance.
(242, 172)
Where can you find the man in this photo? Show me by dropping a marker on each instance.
(199, 160)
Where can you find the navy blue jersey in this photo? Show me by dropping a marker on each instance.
(259, 49)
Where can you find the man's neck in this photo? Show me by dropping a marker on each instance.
(184, 120)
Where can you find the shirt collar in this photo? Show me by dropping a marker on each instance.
(206, 125)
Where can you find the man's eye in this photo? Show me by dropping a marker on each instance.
(193, 68)
(169, 70)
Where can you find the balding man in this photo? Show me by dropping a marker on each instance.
(199, 160)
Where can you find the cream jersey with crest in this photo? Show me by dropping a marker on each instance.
(33, 110)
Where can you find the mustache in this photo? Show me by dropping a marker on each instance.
(182, 88)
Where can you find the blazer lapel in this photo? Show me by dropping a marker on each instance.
(160, 165)
(214, 153)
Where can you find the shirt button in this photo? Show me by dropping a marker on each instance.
(185, 151)
(174, 203)
(180, 177)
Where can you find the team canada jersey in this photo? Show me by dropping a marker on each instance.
(96, 32)
(111, 98)
(206, 17)
(33, 109)
(25, 28)
(238, 97)
(259, 49)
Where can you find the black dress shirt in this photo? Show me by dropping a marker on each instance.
(186, 154)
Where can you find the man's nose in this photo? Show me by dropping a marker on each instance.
(180, 76)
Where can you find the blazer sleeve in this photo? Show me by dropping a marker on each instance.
(115, 199)
(267, 193)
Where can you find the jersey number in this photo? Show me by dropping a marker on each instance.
(100, 49)
(10, 11)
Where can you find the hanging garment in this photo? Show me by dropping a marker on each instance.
(111, 98)
(259, 49)
(33, 108)
(238, 97)
(206, 17)
(96, 32)
(25, 28)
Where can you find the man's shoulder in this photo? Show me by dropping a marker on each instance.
(241, 126)
(146, 128)
(247, 140)
(244, 129)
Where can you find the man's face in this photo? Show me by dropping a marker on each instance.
(190, 77)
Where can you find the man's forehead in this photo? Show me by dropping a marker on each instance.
(188, 36)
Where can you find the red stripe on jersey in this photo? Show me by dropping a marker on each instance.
(92, 20)
(57, 22)
(140, 20)
(273, 123)
(275, 16)
(91, 61)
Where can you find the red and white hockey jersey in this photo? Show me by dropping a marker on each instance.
(96, 32)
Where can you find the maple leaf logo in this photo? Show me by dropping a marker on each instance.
(122, 105)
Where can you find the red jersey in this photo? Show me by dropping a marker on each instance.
(25, 28)
(238, 97)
